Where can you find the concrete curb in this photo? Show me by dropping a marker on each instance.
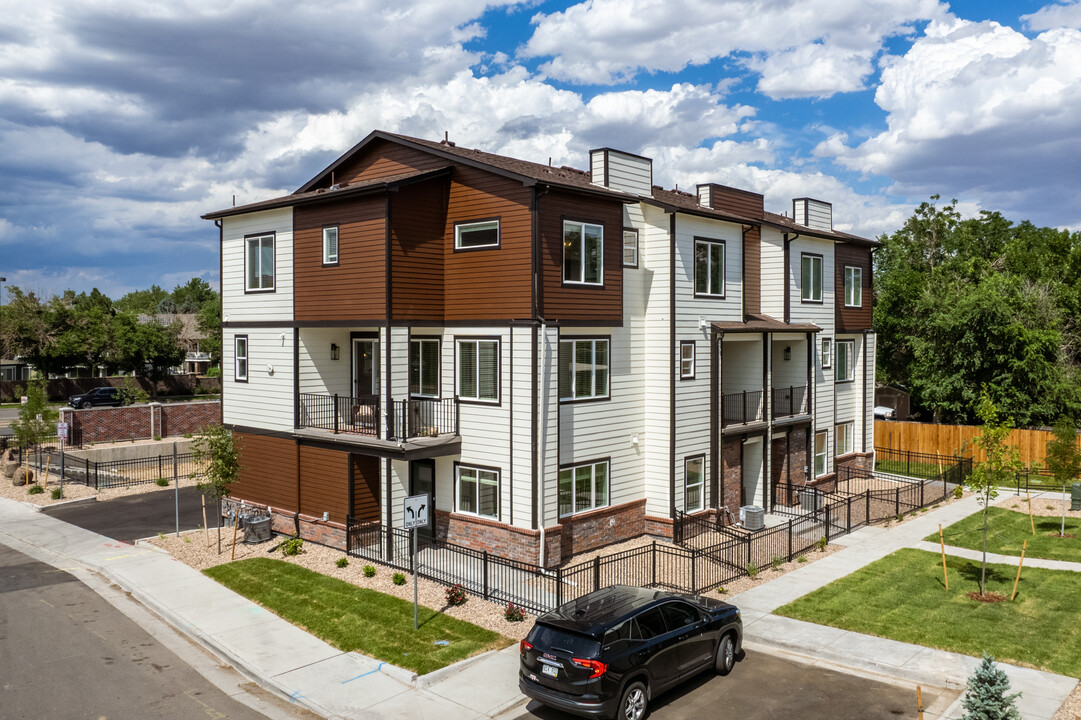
(77, 501)
(438, 676)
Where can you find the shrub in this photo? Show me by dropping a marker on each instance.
(456, 595)
(36, 490)
(721, 590)
(513, 613)
(752, 570)
(399, 578)
(187, 539)
(213, 372)
(292, 546)
(801, 558)
(342, 562)
(958, 492)
(57, 494)
(157, 438)
(986, 696)
(777, 562)
(163, 482)
(821, 543)
(369, 571)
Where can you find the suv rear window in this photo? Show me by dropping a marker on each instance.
(547, 639)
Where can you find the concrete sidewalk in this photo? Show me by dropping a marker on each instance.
(334, 684)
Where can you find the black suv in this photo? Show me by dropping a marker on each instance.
(97, 396)
(608, 653)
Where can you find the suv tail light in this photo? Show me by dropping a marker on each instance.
(524, 645)
(598, 668)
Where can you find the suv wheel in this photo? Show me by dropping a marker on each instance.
(634, 703)
(87, 405)
(726, 655)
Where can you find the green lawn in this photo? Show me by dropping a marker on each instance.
(911, 469)
(902, 597)
(1006, 529)
(356, 619)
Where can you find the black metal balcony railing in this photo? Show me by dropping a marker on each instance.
(361, 416)
(741, 407)
(788, 401)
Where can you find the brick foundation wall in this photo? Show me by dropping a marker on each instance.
(139, 422)
(498, 538)
(604, 526)
(856, 461)
(732, 469)
(658, 526)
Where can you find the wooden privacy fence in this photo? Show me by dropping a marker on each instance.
(953, 440)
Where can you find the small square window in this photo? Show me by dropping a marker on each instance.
(474, 235)
(583, 253)
(709, 268)
(686, 359)
(330, 245)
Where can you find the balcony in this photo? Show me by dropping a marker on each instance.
(789, 401)
(741, 408)
(361, 416)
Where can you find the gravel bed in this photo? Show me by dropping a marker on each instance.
(75, 491)
(1042, 506)
(1071, 709)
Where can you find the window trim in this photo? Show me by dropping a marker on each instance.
(458, 340)
(824, 455)
(724, 268)
(702, 483)
(498, 490)
(327, 262)
(237, 377)
(593, 477)
(585, 338)
(683, 346)
(273, 235)
(850, 362)
(826, 353)
(626, 232)
(459, 226)
(821, 274)
(857, 286)
(563, 251)
(438, 360)
(849, 437)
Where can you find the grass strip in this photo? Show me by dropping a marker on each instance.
(902, 597)
(356, 619)
(1007, 529)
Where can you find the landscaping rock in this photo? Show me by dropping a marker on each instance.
(22, 476)
(8, 462)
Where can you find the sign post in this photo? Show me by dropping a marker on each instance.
(415, 515)
(62, 433)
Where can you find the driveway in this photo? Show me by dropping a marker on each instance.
(138, 516)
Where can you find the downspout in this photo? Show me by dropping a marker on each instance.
(537, 292)
(221, 313)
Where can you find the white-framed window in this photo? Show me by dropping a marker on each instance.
(630, 248)
(424, 367)
(472, 235)
(843, 438)
(477, 491)
(260, 262)
(853, 286)
(827, 353)
(686, 359)
(709, 267)
(810, 277)
(583, 369)
(583, 487)
(330, 245)
(821, 441)
(694, 483)
(240, 358)
(843, 368)
(583, 253)
(478, 370)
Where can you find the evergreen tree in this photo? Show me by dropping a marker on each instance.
(988, 696)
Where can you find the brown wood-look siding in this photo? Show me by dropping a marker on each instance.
(852, 319)
(738, 202)
(324, 482)
(366, 488)
(268, 471)
(355, 287)
(417, 225)
(381, 159)
(603, 305)
(752, 271)
(489, 284)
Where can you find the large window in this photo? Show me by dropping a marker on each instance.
(478, 370)
(811, 278)
(583, 253)
(477, 491)
(630, 248)
(260, 274)
(583, 487)
(469, 236)
(424, 367)
(709, 267)
(843, 438)
(330, 245)
(843, 370)
(820, 453)
(694, 481)
(686, 359)
(583, 369)
(853, 286)
(240, 358)
(827, 353)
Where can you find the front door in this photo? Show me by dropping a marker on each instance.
(422, 480)
(365, 367)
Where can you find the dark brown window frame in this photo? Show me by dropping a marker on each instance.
(637, 248)
(438, 339)
(573, 466)
(499, 490)
(247, 359)
(724, 267)
(498, 220)
(498, 402)
(821, 282)
(573, 338)
(694, 359)
(273, 234)
(828, 365)
(687, 459)
(851, 359)
(844, 285)
(581, 284)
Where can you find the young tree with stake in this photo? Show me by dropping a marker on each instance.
(1063, 459)
(215, 447)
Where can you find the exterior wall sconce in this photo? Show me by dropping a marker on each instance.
(787, 352)
(335, 352)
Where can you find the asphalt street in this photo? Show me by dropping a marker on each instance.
(138, 516)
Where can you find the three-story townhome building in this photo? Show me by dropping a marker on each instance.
(560, 359)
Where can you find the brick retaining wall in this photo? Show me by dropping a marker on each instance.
(138, 422)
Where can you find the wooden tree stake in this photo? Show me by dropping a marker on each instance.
(919, 701)
(942, 543)
(206, 530)
(1018, 578)
(1031, 522)
(45, 477)
(236, 524)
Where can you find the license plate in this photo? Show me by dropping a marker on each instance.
(550, 671)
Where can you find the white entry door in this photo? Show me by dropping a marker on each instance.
(754, 480)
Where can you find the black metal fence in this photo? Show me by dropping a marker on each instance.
(919, 465)
(421, 417)
(116, 473)
(789, 401)
(741, 407)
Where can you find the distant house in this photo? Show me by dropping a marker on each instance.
(196, 361)
(14, 370)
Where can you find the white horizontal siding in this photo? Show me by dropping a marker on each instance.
(848, 395)
(519, 482)
(654, 242)
(773, 275)
(742, 364)
(241, 306)
(266, 399)
(793, 372)
(868, 429)
(318, 373)
(627, 173)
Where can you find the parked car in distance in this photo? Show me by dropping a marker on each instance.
(98, 396)
(608, 653)
(882, 412)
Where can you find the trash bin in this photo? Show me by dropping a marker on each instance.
(1075, 496)
(256, 529)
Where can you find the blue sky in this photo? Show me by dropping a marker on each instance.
(122, 121)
